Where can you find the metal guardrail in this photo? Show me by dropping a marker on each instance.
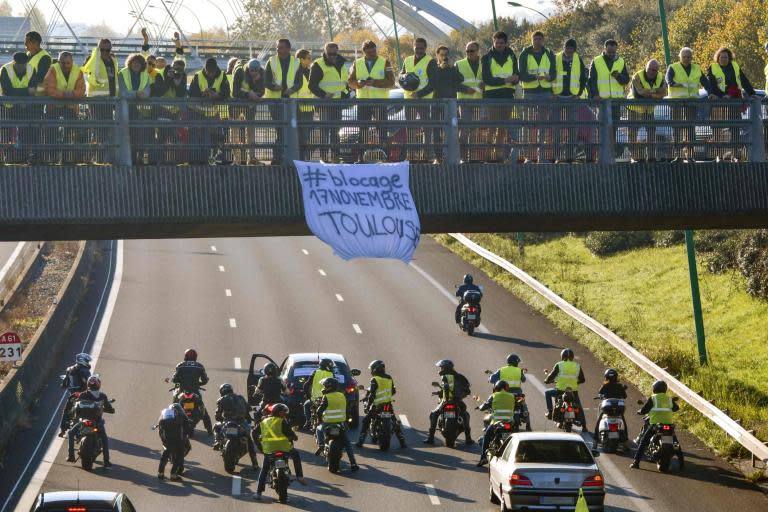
(195, 131)
(720, 418)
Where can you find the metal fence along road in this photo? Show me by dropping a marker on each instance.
(161, 131)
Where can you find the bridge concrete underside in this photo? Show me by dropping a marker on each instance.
(73, 203)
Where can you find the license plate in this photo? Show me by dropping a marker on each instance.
(231, 431)
(386, 415)
(471, 317)
(280, 463)
(556, 500)
(613, 435)
(450, 415)
(188, 406)
(666, 439)
(569, 415)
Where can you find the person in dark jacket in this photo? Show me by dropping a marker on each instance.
(447, 78)
(500, 76)
(210, 83)
(18, 79)
(92, 394)
(611, 388)
(453, 387)
(188, 376)
(233, 407)
(269, 390)
(610, 55)
(425, 68)
(75, 381)
(174, 428)
(248, 86)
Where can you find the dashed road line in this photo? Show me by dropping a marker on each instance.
(237, 483)
(404, 420)
(306, 252)
(232, 323)
(432, 494)
(322, 272)
(339, 297)
(213, 248)
(228, 292)
(238, 363)
(357, 329)
(221, 268)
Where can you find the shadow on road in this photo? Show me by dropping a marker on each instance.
(372, 474)
(519, 341)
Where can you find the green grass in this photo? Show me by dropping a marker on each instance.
(644, 296)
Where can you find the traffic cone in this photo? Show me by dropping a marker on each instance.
(581, 502)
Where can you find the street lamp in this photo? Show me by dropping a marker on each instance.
(199, 24)
(397, 38)
(515, 4)
(330, 24)
(495, 19)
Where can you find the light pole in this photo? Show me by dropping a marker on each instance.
(515, 4)
(199, 24)
(495, 19)
(223, 16)
(397, 38)
(330, 23)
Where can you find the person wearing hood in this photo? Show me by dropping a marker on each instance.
(500, 76)
(248, 85)
(328, 79)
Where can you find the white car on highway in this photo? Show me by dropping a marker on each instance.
(544, 471)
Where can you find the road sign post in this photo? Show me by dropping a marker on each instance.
(10, 347)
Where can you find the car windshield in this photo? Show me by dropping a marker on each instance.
(303, 370)
(553, 452)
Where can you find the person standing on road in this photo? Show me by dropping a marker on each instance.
(380, 393)
(646, 84)
(453, 387)
(313, 389)
(333, 410)
(188, 376)
(660, 409)
(566, 374)
(328, 78)
(500, 76)
(75, 381)
(174, 428)
(274, 434)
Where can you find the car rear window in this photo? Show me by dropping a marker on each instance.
(553, 452)
(305, 370)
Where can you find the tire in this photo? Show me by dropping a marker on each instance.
(663, 463)
(612, 446)
(384, 435)
(334, 455)
(492, 494)
(230, 456)
(281, 486)
(470, 330)
(87, 449)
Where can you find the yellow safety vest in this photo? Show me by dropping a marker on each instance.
(512, 375)
(202, 81)
(420, 69)
(686, 85)
(98, 82)
(383, 390)
(377, 72)
(34, 63)
(125, 76)
(765, 72)
(662, 409)
(503, 406)
(333, 83)
(644, 109)
(16, 82)
(272, 437)
(305, 94)
(719, 74)
(538, 68)
(607, 86)
(567, 375)
(66, 84)
(317, 388)
(505, 71)
(471, 79)
(277, 76)
(576, 69)
(336, 412)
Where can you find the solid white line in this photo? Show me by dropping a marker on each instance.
(339, 297)
(232, 323)
(357, 329)
(432, 494)
(236, 485)
(435, 283)
(228, 292)
(305, 251)
(213, 248)
(238, 363)
(41, 473)
(404, 420)
(322, 272)
(221, 268)
(11, 259)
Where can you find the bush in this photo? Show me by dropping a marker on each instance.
(603, 243)
(753, 263)
(719, 249)
(533, 238)
(668, 238)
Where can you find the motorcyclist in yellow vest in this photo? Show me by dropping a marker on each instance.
(39, 60)
(101, 71)
(273, 434)
(453, 387)
(537, 68)
(514, 376)
(333, 410)
(380, 392)
(646, 84)
(608, 74)
(313, 389)
(660, 409)
(502, 405)
(471, 71)
(565, 374)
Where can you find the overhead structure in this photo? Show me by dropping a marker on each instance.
(408, 14)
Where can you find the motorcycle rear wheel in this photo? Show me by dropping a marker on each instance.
(87, 449)
(229, 454)
(384, 435)
(281, 486)
(334, 455)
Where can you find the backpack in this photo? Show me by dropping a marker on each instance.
(462, 387)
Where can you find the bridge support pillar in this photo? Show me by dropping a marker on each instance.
(756, 132)
(291, 135)
(451, 120)
(607, 133)
(122, 134)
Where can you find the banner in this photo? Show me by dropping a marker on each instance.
(361, 210)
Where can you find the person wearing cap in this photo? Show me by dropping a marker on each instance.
(248, 86)
(17, 79)
(282, 79)
(328, 78)
(209, 83)
(646, 84)
(570, 83)
(39, 60)
(64, 81)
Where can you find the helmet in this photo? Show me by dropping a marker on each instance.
(501, 385)
(226, 389)
(513, 359)
(409, 81)
(190, 354)
(278, 409)
(83, 359)
(326, 364)
(376, 366)
(330, 384)
(94, 383)
(659, 386)
(566, 354)
(270, 369)
(445, 364)
(178, 409)
(468, 279)
(254, 65)
(611, 375)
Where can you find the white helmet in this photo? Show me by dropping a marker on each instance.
(83, 359)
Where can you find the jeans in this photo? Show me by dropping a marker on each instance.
(307, 412)
(434, 415)
(487, 437)
(267, 466)
(75, 430)
(345, 438)
(645, 438)
(373, 411)
(550, 394)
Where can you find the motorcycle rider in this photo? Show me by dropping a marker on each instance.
(611, 388)
(453, 386)
(188, 376)
(174, 427)
(233, 407)
(380, 392)
(461, 290)
(274, 434)
(566, 374)
(502, 404)
(270, 388)
(93, 394)
(660, 408)
(75, 381)
(333, 409)
(313, 389)
(514, 376)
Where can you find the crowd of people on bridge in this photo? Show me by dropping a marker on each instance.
(539, 74)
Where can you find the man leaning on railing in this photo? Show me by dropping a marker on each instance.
(17, 79)
(210, 84)
(100, 71)
(328, 78)
(570, 83)
(64, 81)
(646, 84)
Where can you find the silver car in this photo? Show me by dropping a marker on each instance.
(544, 471)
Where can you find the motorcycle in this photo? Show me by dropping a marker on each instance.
(612, 431)
(663, 446)
(504, 430)
(232, 443)
(279, 475)
(89, 447)
(191, 403)
(566, 410)
(334, 444)
(469, 319)
(450, 422)
(382, 426)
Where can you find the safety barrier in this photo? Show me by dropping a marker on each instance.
(198, 131)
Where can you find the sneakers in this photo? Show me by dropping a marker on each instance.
(175, 477)
(634, 465)
(107, 464)
(482, 462)
(469, 441)
(301, 480)
(548, 415)
(354, 466)
(429, 440)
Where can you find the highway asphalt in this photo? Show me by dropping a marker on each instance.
(230, 298)
(6, 249)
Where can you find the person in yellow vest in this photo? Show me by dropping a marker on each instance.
(502, 404)
(371, 78)
(646, 84)
(248, 86)
(537, 73)
(565, 374)
(328, 79)
(133, 79)
(282, 79)
(64, 81)
(210, 83)
(306, 113)
(608, 77)
(171, 83)
(570, 83)
(313, 389)
(333, 410)
(39, 60)
(500, 76)
(423, 67)
(380, 392)
(17, 79)
(513, 375)
(660, 409)
(273, 434)
(470, 87)
(100, 72)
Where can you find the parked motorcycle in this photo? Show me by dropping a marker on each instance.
(612, 432)
(233, 444)
(89, 447)
(450, 422)
(279, 474)
(334, 444)
(469, 319)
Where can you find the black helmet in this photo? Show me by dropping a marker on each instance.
(270, 369)
(226, 389)
(376, 366)
(409, 81)
(94, 383)
(445, 364)
(190, 354)
(330, 384)
(611, 375)
(659, 386)
(513, 359)
(468, 279)
(501, 385)
(178, 409)
(326, 364)
(566, 354)
(277, 409)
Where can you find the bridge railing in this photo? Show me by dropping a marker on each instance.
(181, 131)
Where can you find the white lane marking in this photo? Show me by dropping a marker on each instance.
(36, 482)
(305, 251)
(339, 297)
(404, 420)
(221, 268)
(213, 248)
(237, 483)
(322, 272)
(357, 329)
(435, 283)
(232, 323)
(228, 292)
(238, 363)
(432, 494)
